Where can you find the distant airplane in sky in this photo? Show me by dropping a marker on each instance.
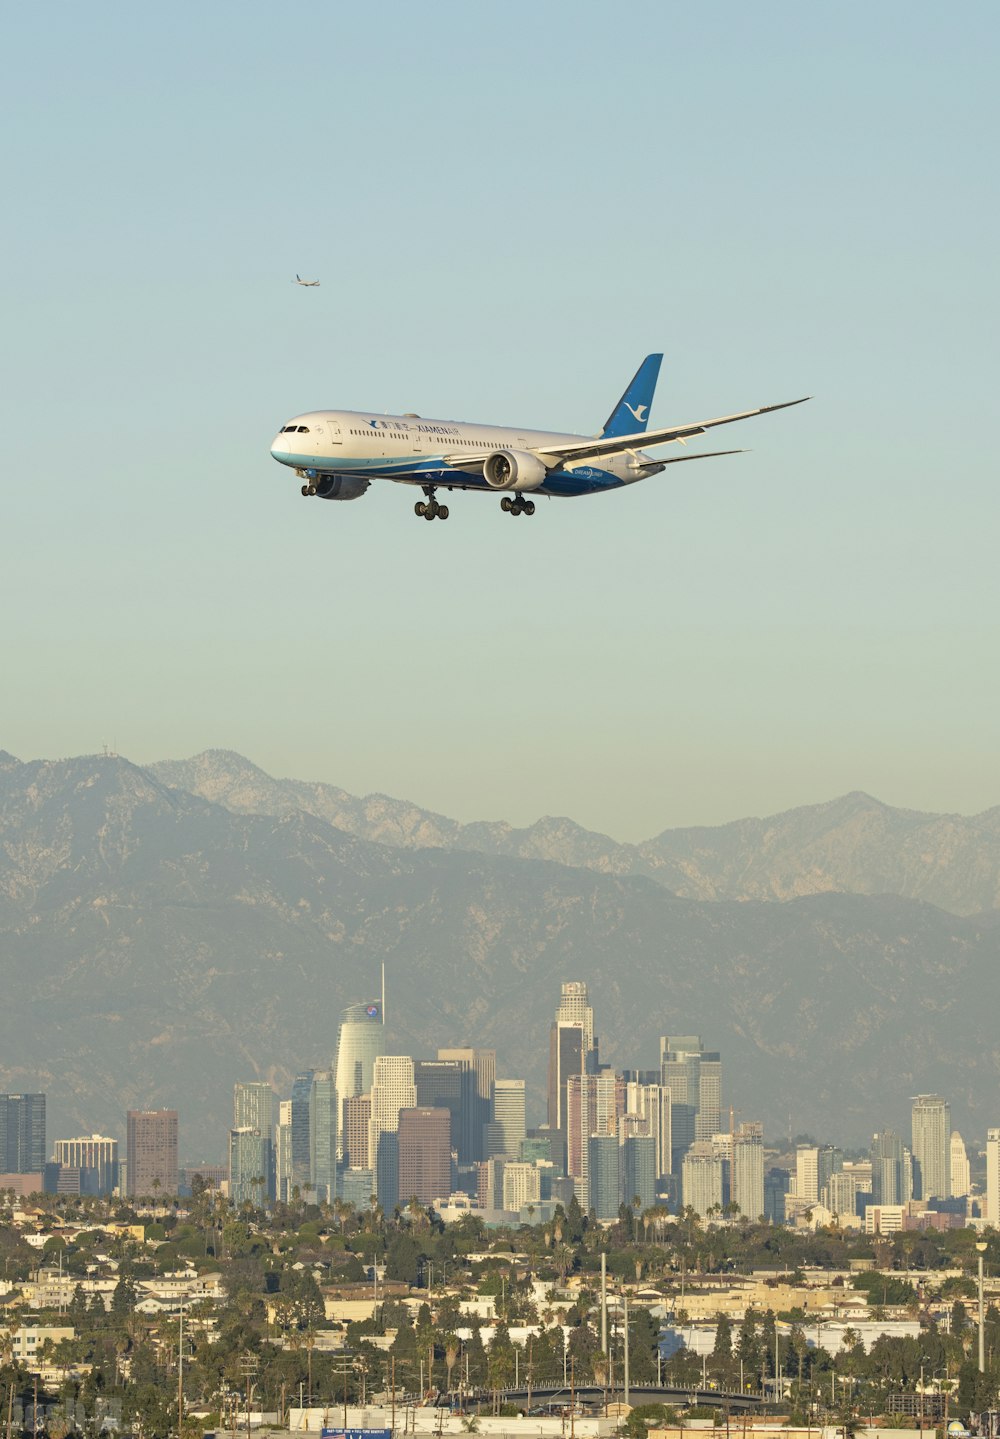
(337, 453)
(309, 284)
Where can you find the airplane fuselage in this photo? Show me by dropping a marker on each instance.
(354, 444)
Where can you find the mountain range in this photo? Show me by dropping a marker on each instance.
(167, 931)
(851, 845)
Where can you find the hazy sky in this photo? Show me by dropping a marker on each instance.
(508, 205)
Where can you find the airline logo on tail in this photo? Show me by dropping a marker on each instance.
(638, 413)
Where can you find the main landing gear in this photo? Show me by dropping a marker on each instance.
(518, 505)
(430, 509)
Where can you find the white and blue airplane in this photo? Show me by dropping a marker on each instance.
(337, 453)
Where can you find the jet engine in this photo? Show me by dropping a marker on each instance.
(340, 487)
(514, 470)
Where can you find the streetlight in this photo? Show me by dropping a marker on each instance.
(981, 1247)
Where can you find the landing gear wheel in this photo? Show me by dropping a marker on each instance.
(505, 504)
(310, 489)
(428, 513)
(305, 489)
(418, 509)
(529, 507)
(443, 512)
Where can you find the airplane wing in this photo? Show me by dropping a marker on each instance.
(570, 451)
(592, 448)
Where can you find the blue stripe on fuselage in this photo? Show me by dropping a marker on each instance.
(583, 480)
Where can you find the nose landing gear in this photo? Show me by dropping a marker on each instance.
(518, 505)
(430, 509)
(308, 489)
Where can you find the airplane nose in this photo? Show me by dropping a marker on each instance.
(279, 448)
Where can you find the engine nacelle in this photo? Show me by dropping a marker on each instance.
(514, 470)
(340, 487)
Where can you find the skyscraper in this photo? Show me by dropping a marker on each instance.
(637, 1171)
(961, 1176)
(359, 1043)
(931, 1139)
(509, 1115)
(283, 1151)
(22, 1133)
(479, 1070)
(393, 1089)
(702, 1175)
(572, 1047)
(249, 1157)
(602, 1178)
(993, 1177)
(356, 1119)
(95, 1157)
(301, 1144)
(323, 1135)
(746, 1175)
(590, 1110)
(647, 1111)
(253, 1108)
(891, 1176)
(694, 1078)
(151, 1152)
(424, 1137)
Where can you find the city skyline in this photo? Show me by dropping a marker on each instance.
(427, 1129)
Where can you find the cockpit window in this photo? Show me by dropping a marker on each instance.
(303, 429)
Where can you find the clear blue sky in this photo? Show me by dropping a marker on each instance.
(508, 206)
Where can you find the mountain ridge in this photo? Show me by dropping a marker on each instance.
(854, 843)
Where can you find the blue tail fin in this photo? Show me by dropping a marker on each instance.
(631, 414)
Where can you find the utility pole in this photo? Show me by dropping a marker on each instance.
(392, 1382)
(572, 1397)
(604, 1303)
(981, 1247)
(625, 1320)
(180, 1372)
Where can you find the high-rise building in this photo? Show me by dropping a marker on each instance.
(961, 1175)
(602, 1177)
(702, 1178)
(647, 1112)
(151, 1152)
(360, 1041)
(840, 1195)
(253, 1108)
(931, 1139)
(746, 1174)
(424, 1137)
(509, 1115)
(250, 1154)
(637, 1172)
(444, 1084)
(393, 1089)
(22, 1133)
(95, 1157)
(891, 1170)
(814, 1163)
(694, 1077)
(777, 1183)
(521, 1185)
(301, 1153)
(323, 1135)
(356, 1119)
(590, 1110)
(479, 1069)
(993, 1177)
(283, 1151)
(572, 1047)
